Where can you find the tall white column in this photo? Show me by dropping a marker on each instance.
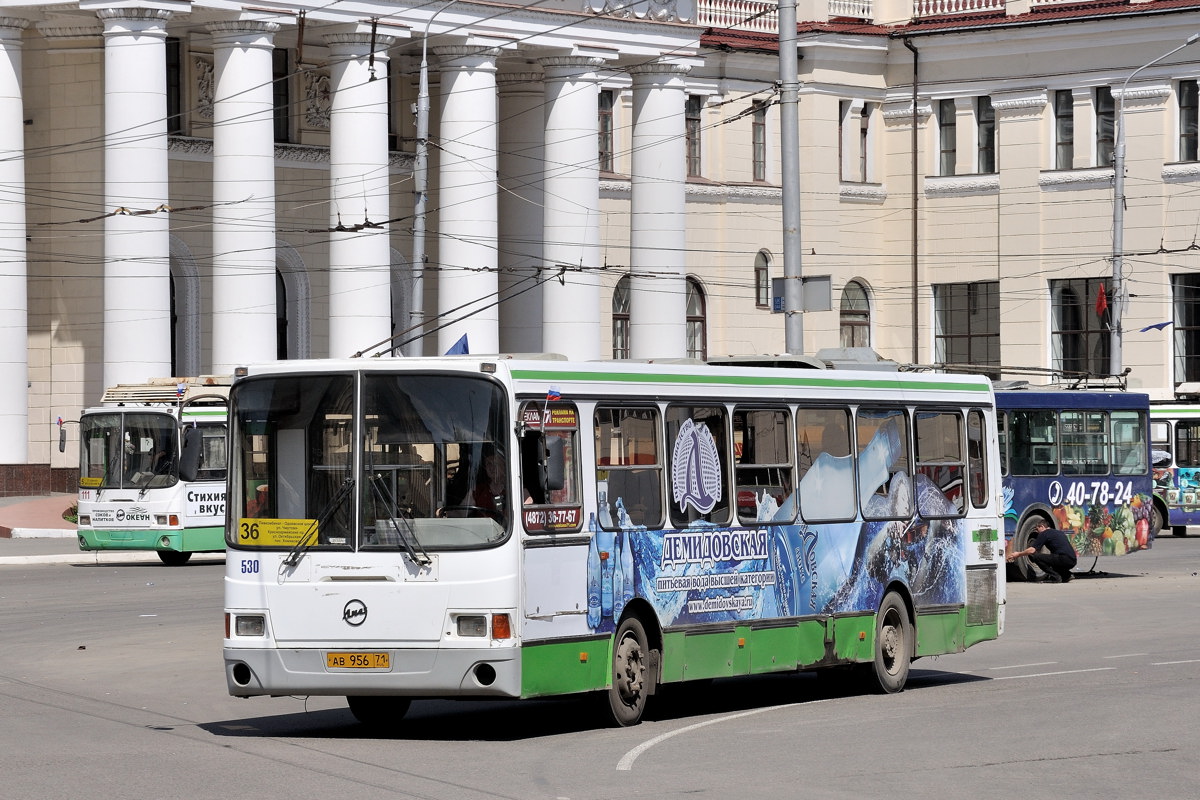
(657, 237)
(466, 205)
(520, 210)
(243, 236)
(14, 308)
(571, 303)
(360, 306)
(137, 277)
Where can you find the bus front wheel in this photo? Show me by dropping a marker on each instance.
(632, 680)
(893, 644)
(173, 558)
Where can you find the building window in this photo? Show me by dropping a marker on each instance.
(607, 101)
(1080, 335)
(864, 129)
(281, 95)
(855, 316)
(947, 137)
(762, 279)
(1105, 119)
(1187, 121)
(620, 318)
(985, 129)
(1185, 294)
(692, 127)
(967, 323)
(281, 317)
(174, 86)
(1064, 129)
(697, 333)
(758, 133)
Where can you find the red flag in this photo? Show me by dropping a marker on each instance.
(1101, 302)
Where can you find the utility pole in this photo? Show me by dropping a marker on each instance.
(789, 129)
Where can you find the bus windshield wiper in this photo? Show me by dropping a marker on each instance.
(310, 536)
(408, 536)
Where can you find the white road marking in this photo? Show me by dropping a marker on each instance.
(1047, 674)
(627, 760)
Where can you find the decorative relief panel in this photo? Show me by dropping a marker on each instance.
(203, 68)
(317, 100)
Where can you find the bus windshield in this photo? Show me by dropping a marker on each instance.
(125, 450)
(424, 455)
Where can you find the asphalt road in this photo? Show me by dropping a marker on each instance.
(111, 686)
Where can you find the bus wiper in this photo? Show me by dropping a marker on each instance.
(408, 536)
(311, 535)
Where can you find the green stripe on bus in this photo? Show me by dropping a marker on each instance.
(985, 535)
(550, 668)
(745, 380)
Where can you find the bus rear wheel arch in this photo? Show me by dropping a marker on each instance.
(173, 558)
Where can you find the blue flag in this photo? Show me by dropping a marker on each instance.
(459, 348)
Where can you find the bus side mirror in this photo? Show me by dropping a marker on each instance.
(189, 459)
(62, 439)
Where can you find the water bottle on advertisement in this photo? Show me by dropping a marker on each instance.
(602, 502)
(593, 577)
(618, 577)
(604, 543)
(627, 567)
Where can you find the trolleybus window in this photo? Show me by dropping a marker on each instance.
(763, 465)
(697, 444)
(550, 467)
(824, 465)
(1128, 442)
(628, 467)
(939, 456)
(884, 487)
(976, 458)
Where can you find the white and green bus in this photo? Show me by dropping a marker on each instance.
(526, 527)
(152, 468)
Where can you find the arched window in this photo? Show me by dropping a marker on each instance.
(620, 319)
(856, 316)
(762, 279)
(697, 333)
(292, 294)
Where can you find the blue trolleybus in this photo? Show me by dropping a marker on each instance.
(1079, 460)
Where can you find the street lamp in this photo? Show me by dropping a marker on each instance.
(1115, 366)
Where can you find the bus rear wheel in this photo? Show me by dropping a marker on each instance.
(378, 713)
(893, 644)
(173, 558)
(632, 679)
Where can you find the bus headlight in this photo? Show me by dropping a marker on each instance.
(250, 625)
(473, 625)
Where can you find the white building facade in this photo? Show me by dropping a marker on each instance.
(190, 186)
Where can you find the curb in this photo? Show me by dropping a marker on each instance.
(37, 533)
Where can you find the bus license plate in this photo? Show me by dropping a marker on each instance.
(358, 661)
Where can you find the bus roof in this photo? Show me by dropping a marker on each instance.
(167, 390)
(1069, 399)
(538, 375)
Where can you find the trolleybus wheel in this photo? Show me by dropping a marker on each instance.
(893, 644)
(1020, 569)
(378, 712)
(1156, 520)
(173, 558)
(631, 677)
